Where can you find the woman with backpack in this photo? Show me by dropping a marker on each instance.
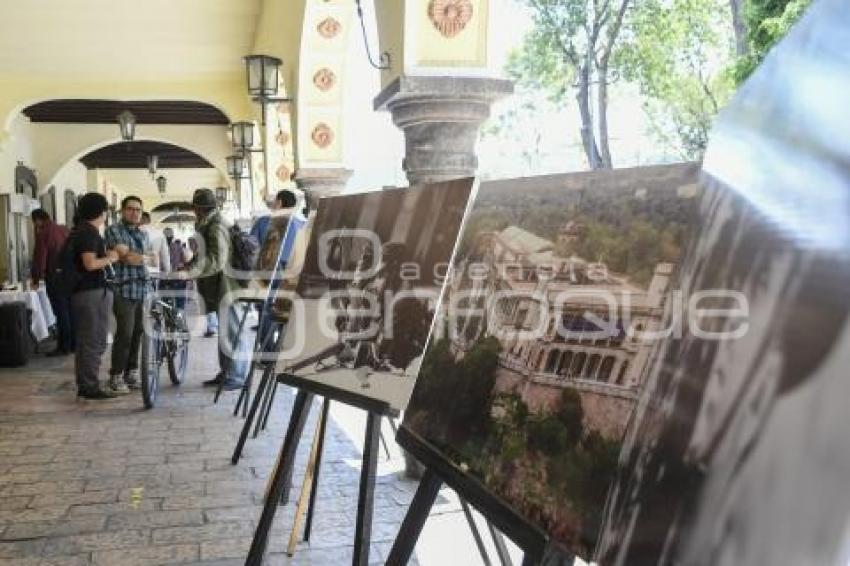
(91, 299)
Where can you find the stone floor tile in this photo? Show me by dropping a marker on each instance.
(153, 519)
(95, 542)
(148, 555)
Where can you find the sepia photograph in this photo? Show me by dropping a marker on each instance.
(374, 269)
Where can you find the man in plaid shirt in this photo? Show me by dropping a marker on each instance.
(130, 242)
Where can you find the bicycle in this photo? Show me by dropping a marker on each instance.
(166, 340)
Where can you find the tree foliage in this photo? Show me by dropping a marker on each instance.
(570, 49)
(767, 22)
(677, 52)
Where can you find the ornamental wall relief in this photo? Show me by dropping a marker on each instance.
(329, 28)
(283, 173)
(450, 16)
(322, 135)
(324, 79)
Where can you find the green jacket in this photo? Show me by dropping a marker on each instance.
(209, 267)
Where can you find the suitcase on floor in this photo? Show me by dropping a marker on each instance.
(15, 340)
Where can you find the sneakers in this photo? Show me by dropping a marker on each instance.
(209, 333)
(131, 379)
(116, 385)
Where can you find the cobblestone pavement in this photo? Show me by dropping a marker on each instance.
(108, 483)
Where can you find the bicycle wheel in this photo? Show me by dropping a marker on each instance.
(151, 363)
(178, 361)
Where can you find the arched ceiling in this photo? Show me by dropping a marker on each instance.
(134, 155)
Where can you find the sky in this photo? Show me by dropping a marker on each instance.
(543, 141)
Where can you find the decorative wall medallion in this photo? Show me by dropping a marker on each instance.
(450, 16)
(329, 27)
(324, 79)
(282, 138)
(283, 173)
(322, 135)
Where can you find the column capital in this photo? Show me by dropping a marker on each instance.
(318, 182)
(441, 118)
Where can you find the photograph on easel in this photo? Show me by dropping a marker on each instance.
(739, 454)
(537, 358)
(373, 272)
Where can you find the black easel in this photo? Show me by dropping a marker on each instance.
(530, 539)
(265, 391)
(279, 483)
(268, 324)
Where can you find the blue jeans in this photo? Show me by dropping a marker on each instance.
(240, 344)
(212, 321)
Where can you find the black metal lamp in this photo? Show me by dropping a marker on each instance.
(153, 163)
(242, 134)
(127, 122)
(221, 194)
(161, 182)
(263, 73)
(236, 166)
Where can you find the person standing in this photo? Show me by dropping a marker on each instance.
(49, 239)
(213, 284)
(91, 299)
(130, 243)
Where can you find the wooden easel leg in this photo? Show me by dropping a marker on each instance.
(323, 428)
(310, 482)
(476, 534)
(501, 547)
(366, 498)
(414, 520)
(300, 411)
(246, 426)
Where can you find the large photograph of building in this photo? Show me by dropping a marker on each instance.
(739, 454)
(545, 333)
(368, 292)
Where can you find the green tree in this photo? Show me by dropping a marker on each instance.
(767, 21)
(677, 52)
(570, 48)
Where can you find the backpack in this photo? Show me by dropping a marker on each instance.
(244, 249)
(64, 276)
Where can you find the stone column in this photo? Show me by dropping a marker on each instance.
(321, 182)
(441, 118)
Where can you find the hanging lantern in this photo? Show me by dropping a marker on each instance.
(127, 122)
(242, 134)
(161, 182)
(153, 163)
(236, 166)
(221, 194)
(263, 74)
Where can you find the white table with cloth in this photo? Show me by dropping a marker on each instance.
(39, 305)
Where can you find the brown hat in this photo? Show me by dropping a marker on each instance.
(204, 198)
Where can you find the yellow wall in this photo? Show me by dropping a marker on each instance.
(390, 17)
